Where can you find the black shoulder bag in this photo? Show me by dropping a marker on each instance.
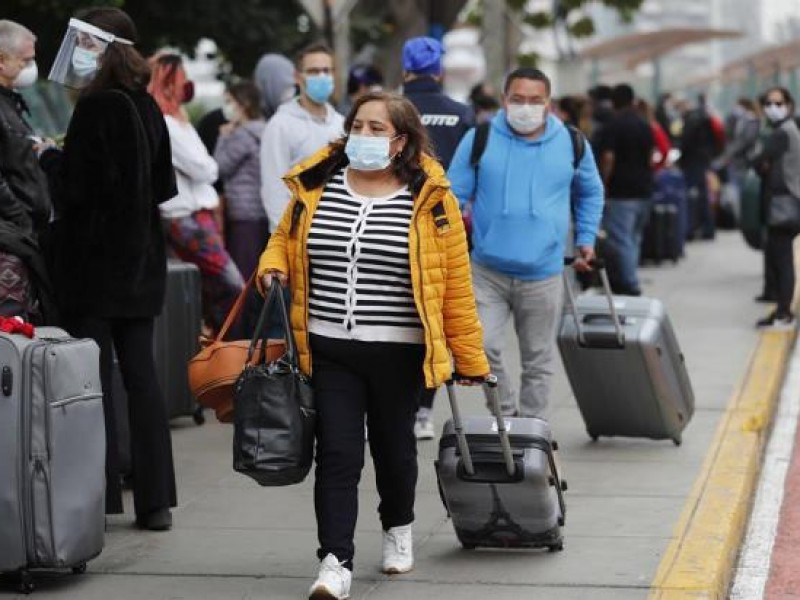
(274, 416)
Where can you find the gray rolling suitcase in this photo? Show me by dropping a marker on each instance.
(625, 366)
(52, 453)
(499, 481)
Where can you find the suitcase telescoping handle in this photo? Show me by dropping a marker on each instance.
(600, 266)
(494, 403)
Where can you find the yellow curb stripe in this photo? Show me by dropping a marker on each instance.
(700, 558)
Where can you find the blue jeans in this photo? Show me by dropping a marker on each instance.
(624, 222)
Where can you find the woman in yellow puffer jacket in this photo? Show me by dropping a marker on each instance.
(373, 247)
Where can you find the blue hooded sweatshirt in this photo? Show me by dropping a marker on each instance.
(521, 208)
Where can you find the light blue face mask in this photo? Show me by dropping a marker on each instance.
(84, 62)
(368, 152)
(319, 88)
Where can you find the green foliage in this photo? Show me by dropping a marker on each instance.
(530, 59)
(583, 27)
(243, 30)
(571, 14)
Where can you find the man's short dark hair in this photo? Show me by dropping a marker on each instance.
(622, 96)
(527, 73)
(315, 48)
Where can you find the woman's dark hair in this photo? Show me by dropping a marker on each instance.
(246, 95)
(786, 94)
(405, 119)
(121, 64)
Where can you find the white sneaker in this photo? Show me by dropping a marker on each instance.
(333, 581)
(424, 429)
(398, 552)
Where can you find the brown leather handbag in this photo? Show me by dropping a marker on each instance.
(215, 369)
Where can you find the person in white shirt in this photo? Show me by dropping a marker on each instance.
(299, 128)
(189, 220)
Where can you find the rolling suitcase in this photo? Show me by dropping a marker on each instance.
(176, 338)
(52, 453)
(660, 236)
(625, 366)
(499, 481)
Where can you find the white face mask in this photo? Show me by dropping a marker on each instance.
(776, 113)
(27, 77)
(525, 118)
(230, 111)
(84, 62)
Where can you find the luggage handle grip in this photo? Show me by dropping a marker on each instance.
(600, 265)
(505, 443)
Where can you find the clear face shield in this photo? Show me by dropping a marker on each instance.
(78, 57)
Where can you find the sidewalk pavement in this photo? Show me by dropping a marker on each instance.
(234, 540)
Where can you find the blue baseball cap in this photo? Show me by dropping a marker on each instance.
(423, 56)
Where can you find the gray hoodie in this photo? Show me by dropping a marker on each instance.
(291, 135)
(274, 77)
(237, 155)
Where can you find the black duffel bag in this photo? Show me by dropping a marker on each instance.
(274, 416)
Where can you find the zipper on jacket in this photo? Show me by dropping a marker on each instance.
(424, 312)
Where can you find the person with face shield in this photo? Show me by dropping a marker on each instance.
(24, 195)
(373, 240)
(190, 218)
(298, 128)
(779, 167)
(109, 257)
(529, 183)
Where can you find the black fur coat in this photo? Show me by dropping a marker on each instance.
(108, 256)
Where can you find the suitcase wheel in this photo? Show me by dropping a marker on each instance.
(556, 547)
(592, 435)
(468, 546)
(26, 585)
(554, 445)
(79, 569)
(563, 485)
(198, 416)
(677, 441)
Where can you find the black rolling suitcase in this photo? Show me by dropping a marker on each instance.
(499, 481)
(660, 237)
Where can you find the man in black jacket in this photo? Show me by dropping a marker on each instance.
(446, 121)
(24, 197)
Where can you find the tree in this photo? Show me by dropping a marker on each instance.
(242, 35)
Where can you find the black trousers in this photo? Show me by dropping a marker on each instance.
(779, 256)
(151, 447)
(381, 381)
(426, 398)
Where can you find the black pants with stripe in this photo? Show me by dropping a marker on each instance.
(382, 381)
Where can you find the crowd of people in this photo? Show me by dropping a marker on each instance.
(364, 214)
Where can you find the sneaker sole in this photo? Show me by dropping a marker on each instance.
(397, 571)
(323, 594)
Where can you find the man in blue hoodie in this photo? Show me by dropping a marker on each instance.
(525, 190)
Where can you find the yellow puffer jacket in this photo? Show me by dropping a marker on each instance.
(440, 272)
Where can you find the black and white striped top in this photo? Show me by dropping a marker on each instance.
(359, 267)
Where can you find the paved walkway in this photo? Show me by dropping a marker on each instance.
(233, 540)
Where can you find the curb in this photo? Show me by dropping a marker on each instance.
(700, 559)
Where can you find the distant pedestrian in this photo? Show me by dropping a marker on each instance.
(360, 80)
(299, 127)
(238, 157)
(190, 218)
(446, 122)
(24, 195)
(779, 166)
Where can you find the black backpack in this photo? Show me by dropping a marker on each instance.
(482, 138)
